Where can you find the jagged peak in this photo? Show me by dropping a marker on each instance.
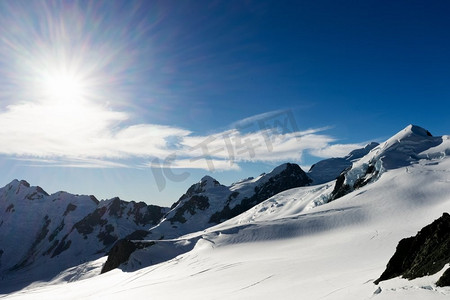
(206, 183)
(288, 169)
(279, 169)
(17, 184)
(14, 182)
(208, 178)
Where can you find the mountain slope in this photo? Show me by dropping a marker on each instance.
(289, 247)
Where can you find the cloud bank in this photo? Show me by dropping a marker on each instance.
(90, 135)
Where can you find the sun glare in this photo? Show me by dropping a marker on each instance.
(64, 96)
(63, 88)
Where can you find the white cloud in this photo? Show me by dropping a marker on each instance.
(88, 135)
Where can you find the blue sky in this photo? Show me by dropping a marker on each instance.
(140, 99)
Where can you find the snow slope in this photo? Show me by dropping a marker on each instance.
(297, 245)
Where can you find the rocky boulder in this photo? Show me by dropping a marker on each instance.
(422, 255)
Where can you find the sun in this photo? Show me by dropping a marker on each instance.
(63, 87)
(64, 94)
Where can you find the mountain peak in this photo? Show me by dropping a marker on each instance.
(416, 130)
(208, 182)
(15, 184)
(23, 186)
(207, 178)
(279, 169)
(25, 183)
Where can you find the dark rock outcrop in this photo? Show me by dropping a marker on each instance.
(422, 255)
(70, 207)
(118, 255)
(341, 188)
(445, 279)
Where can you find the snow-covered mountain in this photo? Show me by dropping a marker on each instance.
(42, 234)
(404, 149)
(207, 202)
(311, 241)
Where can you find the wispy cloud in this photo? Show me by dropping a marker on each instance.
(335, 150)
(73, 163)
(92, 136)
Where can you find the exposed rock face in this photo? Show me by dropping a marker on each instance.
(422, 255)
(341, 188)
(194, 204)
(104, 220)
